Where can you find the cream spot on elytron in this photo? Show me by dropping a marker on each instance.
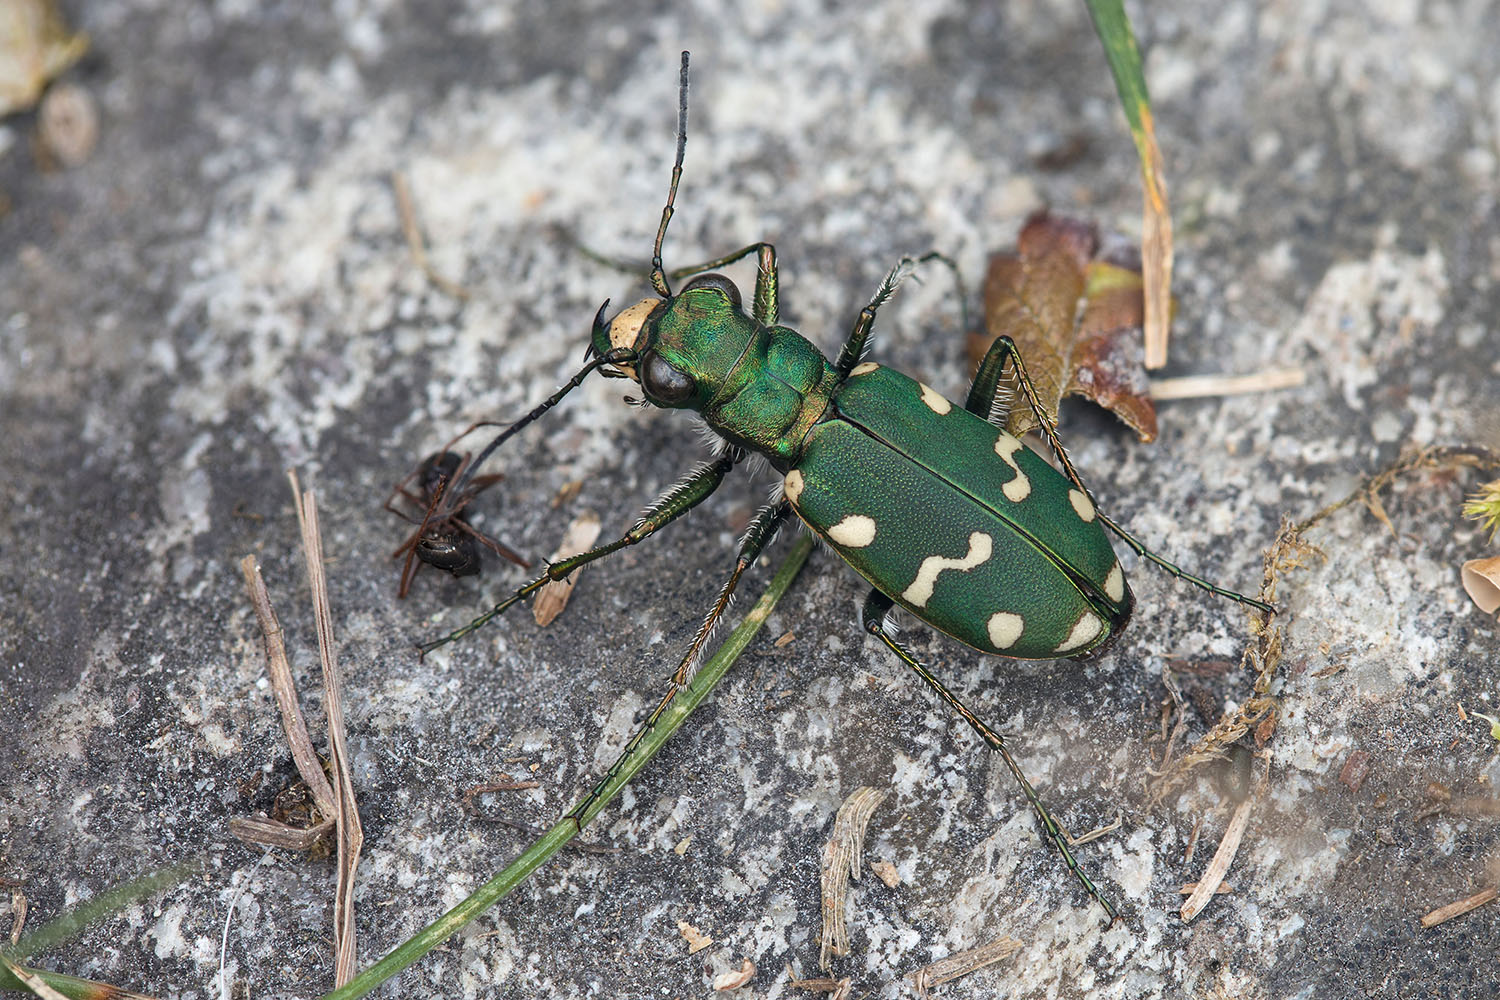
(1081, 504)
(936, 403)
(1019, 488)
(853, 532)
(1114, 584)
(920, 591)
(1084, 632)
(791, 486)
(863, 368)
(1005, 628)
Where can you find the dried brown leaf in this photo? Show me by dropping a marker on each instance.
(553, 597)
(1076, 322)
(35, 46)
(1481, 579)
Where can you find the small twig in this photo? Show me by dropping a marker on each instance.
(1459, 908)
(262, 831)
(350, 834)
(18, 907)
(280, 673)
(1197, 386)
(1188, 888)
(1095, 833)
(406, 209)
(945, 970)
(822, 984)
(505, 784)
(842, 860)
(1218, 867)
(33, 982)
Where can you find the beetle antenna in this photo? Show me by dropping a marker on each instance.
(658, 270)
(623, 355)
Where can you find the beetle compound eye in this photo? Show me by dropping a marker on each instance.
(723, 284)
(663, 382)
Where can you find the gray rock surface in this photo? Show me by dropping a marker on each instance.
(223, 292)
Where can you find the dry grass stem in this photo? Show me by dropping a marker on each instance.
(350, 834)
(406, 209)
(842, 860)
(822, 984)
(1188, 888)
(945, 970)
(1095, 833)
(1459, 908)
(263, 831)
(33, 982)
(18, 908)
(279, 672)
(1198, 386)
(1262, 656)
(1156, 247)
(1218, 866)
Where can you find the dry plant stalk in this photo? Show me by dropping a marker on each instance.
(945, 970)
(842, 860)
(1198, 386)
(1218, 866)
(1459, 907)
(1263, 655)
(350, 834)
(36, 984)
(1156, 247)
(822, 984)
(406, 209)
(18, 907)
(293, 723)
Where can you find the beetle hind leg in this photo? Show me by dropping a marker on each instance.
(873, 617)
(990, 397)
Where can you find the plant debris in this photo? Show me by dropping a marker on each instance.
(1076, 321)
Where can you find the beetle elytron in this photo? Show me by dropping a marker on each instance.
(944, 513)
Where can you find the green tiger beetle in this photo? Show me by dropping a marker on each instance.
(943, 512)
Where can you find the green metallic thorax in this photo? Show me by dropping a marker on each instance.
(761, 388)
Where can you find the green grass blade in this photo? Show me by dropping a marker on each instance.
(1124, 59)
(553, 840)
(71, 987)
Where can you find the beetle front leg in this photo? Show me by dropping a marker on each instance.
(677, 501)
(756, 537)
(873, 617)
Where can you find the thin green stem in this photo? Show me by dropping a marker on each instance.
(553, 840)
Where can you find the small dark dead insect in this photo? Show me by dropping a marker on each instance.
(443, 538)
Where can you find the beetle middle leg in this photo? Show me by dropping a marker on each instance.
(987, 398)
(874, 617)
(859, 337)
(762, 529)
